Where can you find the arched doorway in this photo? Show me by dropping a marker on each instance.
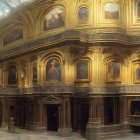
(12, 75)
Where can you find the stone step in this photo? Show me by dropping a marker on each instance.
(116, 134)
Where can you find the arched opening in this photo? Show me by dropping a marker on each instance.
(12, 75)
(111, 110)
(52, 117)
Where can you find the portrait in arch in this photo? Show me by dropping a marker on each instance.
(138, 8)
(54, 19)
(34, 73)
(53, 70)
(12, 75)
(137, 72)
(83, 14)
(13, 35)
(111, 11)
(82, 70)
(1, 74)
(114, 72)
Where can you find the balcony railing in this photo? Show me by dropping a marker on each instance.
(135, 120)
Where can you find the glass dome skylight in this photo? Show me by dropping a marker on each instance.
(7, 6)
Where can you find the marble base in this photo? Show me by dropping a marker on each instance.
(65, 132)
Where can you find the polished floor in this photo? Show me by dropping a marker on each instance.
(28, 135)
(131, 137)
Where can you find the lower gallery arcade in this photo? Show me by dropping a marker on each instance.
(64, 113)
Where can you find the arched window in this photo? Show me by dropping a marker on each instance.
(54, 19)
(53, 70)
(12, 75)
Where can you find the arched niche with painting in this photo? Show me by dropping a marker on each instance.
(54, 18)
(114, 71)
(12, 75)
(53, 70)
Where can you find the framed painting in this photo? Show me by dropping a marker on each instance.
(138, 7)
(54, 19)
(12, 75)
(83, 14)
(137, 72)
(1, 76)
(34, 72)
(14, 35)
(114, 72)
(111, 11)
(82, 71)
(53, 70)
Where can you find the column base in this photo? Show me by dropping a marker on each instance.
(93, 129)
(101, 132)
(4, 124)
(65, 132)
(38, 128)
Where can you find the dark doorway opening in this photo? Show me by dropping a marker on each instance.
(111, 110)
(20, 113)
(135, 108)
(52, 117)
(79, 114)
(135, 114)
(108, 111)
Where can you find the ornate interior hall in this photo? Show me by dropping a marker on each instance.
(70, 67)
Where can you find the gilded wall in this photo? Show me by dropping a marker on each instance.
(68, 42)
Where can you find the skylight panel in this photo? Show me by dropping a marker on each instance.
(13, 3)
(6, 6)
(4, 9)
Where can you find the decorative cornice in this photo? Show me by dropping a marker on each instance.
(70, 36)
(78, 90)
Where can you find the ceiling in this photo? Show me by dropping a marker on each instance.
(8, 6)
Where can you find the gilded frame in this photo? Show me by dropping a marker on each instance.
(11, 30)
(136, 72)
(137, 9)
(82, 70)
(109, 19)
(53, 75)
(114, 72)
(85, 20)
(47, 12)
